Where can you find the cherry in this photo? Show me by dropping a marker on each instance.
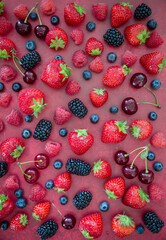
(23, 28)
(138, 80)
(130, 171)
(146, 176)
(45, 161)
(32, 175)
(129, 106)
(29, 77)
(68, 222)
(120, 157)
(41, 31)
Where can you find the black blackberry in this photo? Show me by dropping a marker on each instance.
(142, 11)
(30, 60)
(77, 107)
(78, 167)
(42, 130)
(152, 222)
(82, 199)
(47, 229)
(113, 37)
(3, 169)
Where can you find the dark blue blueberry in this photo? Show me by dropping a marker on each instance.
(58, 164)
(114, 109)
(152, 116)
(18, 193)
(4, 225)
(28, 118)
(16, 87)
(21, 203)
(1, 87)
(54, 20)
(94, 118)
(30, 45)
(152, 24)
(63, 132)
(63, 200)
(49, 184)
(151, 156)
(58, 57)
(26, 133)
(87, 75)
(111, 57)
(104, 206)
(90, 26)
(140, 229)
(33, 16)
(155, 84)
(158, 166)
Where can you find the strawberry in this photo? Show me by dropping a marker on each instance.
(100, 11)
(61, 115)
(91, 226)
(80, 141)
(74, 14)
(153, 62)
(41, 210)
(56, 38)
(135, 197)
(47, 7)
(6, 206)
(96, 65)
(52, 148)
(14, 118)
(21, 11)
(129, 58)
(19, 222)
(11, 149)
(72, 87)
(141, 129)
(56, 73)
(122, 225)
(12, 183)
(5, 26)
(115, 75)
(79, 59)
(156, 193)
(62, 182)
(5, 99)
(2, 126)
(6, 45)
(37, 192)
(115, 188)
(158, 140)
(7, 73)
(114, 131)
(31, 101)
(155, 40)
(1, 7)
(94, 47)
(102, 169)
(77, 36)
(136, 34)
(120, 13)
(98, 97)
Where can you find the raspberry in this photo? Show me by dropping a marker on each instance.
(77, 35)
(52, 148)
(61, 115)
(7, 73)
(5, 26)
(158, 140)
(96, 65)
(129, 58)
(155, 192)
(37, 192)
(79, 59)
(12, 182)
(72, 87)
(47, 7)
(100, 11)
(21, 11)
(5, 99)
(155, 40)
(14, 118)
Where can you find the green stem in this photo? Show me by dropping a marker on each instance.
(38, 16)
(154, 104)
(29, 176)
(29, 162)
(17, 66)
(146, 165)
(58, 210)
(136, 158)
(153, 94)
(134, 151)
(30, 12)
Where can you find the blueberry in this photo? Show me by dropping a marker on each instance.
(94, 118)
(33, 16)
(158, 166)
(63, 132)
(152, 116)
(28, 118)
(30, 45)
(155, 84)
(58, 164)
(58, 57)
(111, 57)
(140, 229)
(49, 184)
(90, 26)
(21, 203)
(26, 133)
(114, 109)
(18, 193)
(4, 225)
(152, 24)
(104, 206)
(151, 156)
(63, 200)
(54, 20)
(87, 75)
(1, 87)
(16, 87)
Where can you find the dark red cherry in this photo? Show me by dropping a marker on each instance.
(120, 158)
(129, 172)
(45, 161)
(146, 178)
(33, 172)
(129, 106)
(138, 80)
(23, 28)
(29, 77)
(41, 31)
(68, 222)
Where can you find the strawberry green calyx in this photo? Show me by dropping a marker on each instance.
(1, 7)
(99, 91)
(143, 36)
(59, 190)
(37, 107)
(23, 219)
(86, 234)
(135, 130)
(57, 43)
(126, 70)
(126, 4)
(111, 194)
(97, 166)
(4, 54)
(65, 71)
(79, 9)
(81, 132)
(95, 52)
(36, 217)
(3, 198)
(17, 151)
(122, 126)
(125, 220)
(162, 65)
(143, 195)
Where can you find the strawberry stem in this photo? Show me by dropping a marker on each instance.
(38, 16)
(153, 95)
(136, 158)
(30, 12)
(58, 210)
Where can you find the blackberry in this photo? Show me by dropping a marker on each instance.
(82, 199)
(47, 229)
(113, 37)
(3, 169)
(142, 11)
(42, 130)
(152, 222)
(77, 107)
(30, 60)
(78, 167)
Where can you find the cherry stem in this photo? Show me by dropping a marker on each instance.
(13, 57)
(58, 210)
(38, 16)
(153, 95)
(146, 166)
(30, 12)
(29, 162)
(135, 150)
(29, 176)
(156, 105)
(136, 157)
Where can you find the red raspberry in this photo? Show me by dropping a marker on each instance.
(7, 73)
(47, 7)
(37, 192)
(14, 118)
(5, 26)
(52, 148)
(5, 99)
(79, 59)
(21, 11)
(72, 87)
(61, 115)
(77, 35)
(12, 182)
(96, 65)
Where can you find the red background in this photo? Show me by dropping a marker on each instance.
(54, 98)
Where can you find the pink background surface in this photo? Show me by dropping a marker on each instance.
(55, 98)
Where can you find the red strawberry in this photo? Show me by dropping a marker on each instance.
(156, 193)
(2, 126)
(96, 65)
(98, 96)
(80, 141)
(6, 206)
(100, 11)
(19, 222)
(37, 192)
(102, 169)
(47, 7)
(1, 7)
(56, 73)
(5, 26)
(123, 225)
(11, 149)
(14, 118)
(5, 99)
(61, 115)
(115, 75)
(77, 35)
(12, 183)
(94, 47)
(129, 58)
(153, 62)
(74, 14)
(135, 197)
(56, 38)
(62, 182)
(91, 226)
(158, 140)
(21, 11)
(120, 13)
(136, 34)
(114, 131)
(141, 129)
(7, 73)
(79, 59)
(41, 210)
(115, 188)
(72, 87)
(6, 46)
(31, 101)
(155, 40)
(52, 148)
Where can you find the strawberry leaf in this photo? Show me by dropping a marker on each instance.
(4, 54)
(86, 234)
(59, 190)
(97, 166)
(122, 126)
(36, 217)
(99, 91)
(3, 198)
(79, 9)
(37, 107)
(17, 151)
(81, 132)
(57, 43)
(95, 52)
(135, 130)
(144, 154)
(65, 71)
(126, 4)
(143, 195)
(162, 65)
(1, 7)
(111, 194)
(125, 220)
(126, 70)
(23, 219)
(143, 36)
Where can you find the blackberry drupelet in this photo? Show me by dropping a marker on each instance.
(30, 60)
(113, 37)
(77, 107)
(47, 229)
(42, 130)
(3, 169)
(82, 199)
(152, 222)
(142, 11)
(78, 167)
